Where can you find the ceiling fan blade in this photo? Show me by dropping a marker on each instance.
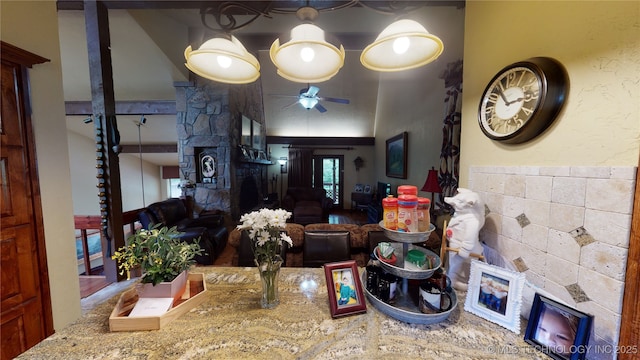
(312, 91)
(335, 100)
(320, 108)
(290, 105)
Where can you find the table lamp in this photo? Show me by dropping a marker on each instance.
(431, 184)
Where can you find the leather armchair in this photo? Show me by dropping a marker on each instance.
(308, 205)
(208, 229)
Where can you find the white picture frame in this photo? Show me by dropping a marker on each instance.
(495, 294)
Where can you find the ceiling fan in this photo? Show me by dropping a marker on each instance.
(309, 99)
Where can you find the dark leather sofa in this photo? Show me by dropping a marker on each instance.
(209, 228)
(308, 205)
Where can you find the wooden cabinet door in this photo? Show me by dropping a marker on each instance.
(23, 316)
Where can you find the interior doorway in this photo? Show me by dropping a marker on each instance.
(328, 172)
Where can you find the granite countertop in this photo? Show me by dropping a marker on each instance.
(230, 324)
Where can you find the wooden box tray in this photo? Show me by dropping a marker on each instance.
(194, 295)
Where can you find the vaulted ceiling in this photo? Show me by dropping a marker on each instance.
(148, 39)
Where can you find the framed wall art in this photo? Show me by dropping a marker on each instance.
(558, 330)
(495, 294)
(245, 138)
(256, 135)
(345, 288)
(396, 156)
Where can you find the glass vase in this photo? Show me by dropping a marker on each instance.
(269, 271)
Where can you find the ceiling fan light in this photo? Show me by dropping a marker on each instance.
(308, 103)
(381, 55)
(291, 58)
(223, 60)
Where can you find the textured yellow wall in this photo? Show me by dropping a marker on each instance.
(599, 44)
(20, 21)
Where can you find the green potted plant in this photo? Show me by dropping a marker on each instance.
(163, 258)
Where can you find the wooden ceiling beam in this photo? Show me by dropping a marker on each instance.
(147, 107)
(150, 149)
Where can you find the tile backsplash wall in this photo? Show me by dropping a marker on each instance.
(567, 229)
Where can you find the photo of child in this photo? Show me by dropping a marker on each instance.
(345, 291)
(556, 329)
(493, 293)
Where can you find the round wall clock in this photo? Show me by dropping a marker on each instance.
(523, 99)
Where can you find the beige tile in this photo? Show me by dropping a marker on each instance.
(565, 217)
(493, 201)
(511, 228)
(495, 183)
(509, 248)
(535, 236)
(562, 245)
(608, 227)
(606, 259)
(515, 185)
(530, 170)
(537, 211)
(605, 291)
(606, 323)
(559, 292)
(538, 187)
(535, 259)
(623, 172)
(561, 271)
(555, 171)
(569, 191)
(610, 195)
(512, 206)
(594, 172)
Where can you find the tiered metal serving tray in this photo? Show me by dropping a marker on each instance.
(405, 307)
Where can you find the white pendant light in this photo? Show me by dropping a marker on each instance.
(307, 57)
(403, 45)
(223, 60)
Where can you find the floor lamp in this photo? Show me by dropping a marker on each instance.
(142, 121)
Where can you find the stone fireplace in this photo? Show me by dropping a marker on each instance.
(209, 129)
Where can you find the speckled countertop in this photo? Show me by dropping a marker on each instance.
(231, 325)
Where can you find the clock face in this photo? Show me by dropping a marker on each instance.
(510, 101)
(523, 99)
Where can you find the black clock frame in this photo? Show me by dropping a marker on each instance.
(554, 88)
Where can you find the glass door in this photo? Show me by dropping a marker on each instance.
(328, 172)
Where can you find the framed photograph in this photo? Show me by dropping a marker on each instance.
(495, 294)
(396, 156)
(367, 189)
(558, 330)
(344, 288)
(359, 188)
(245, 153)
(245, 138)
(256, 135)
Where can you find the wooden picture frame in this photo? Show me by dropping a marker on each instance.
(396, 156)
(558, 330)
(344, 288)
(495, 294)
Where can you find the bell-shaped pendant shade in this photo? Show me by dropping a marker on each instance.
(223, 60)
(403, 45)
(307, 57)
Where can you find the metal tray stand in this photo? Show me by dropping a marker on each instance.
(405, 305)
